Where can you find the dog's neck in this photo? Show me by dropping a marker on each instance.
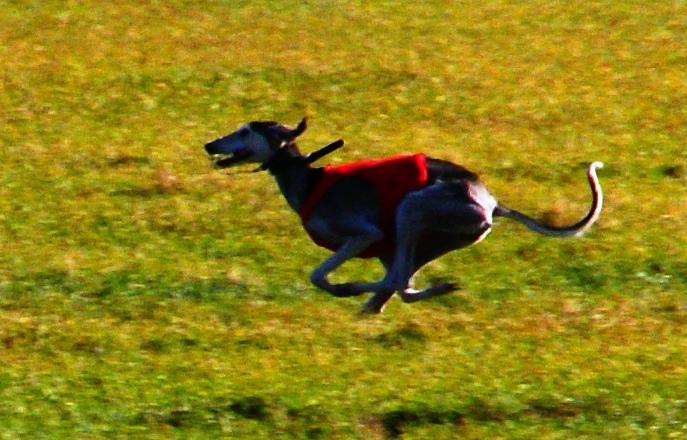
(294, 176)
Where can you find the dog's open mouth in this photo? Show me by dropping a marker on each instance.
(227, 160)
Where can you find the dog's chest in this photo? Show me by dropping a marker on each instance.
(323, 234)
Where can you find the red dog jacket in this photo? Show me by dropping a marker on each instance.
(393, 177)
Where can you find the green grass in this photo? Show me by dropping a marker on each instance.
(143, 295)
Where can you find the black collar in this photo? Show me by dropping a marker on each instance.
(280, 161)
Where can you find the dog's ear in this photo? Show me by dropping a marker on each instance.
(300, 128)
(277, 133)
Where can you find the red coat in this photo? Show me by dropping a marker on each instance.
(394, 177)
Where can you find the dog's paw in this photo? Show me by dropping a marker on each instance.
(370, 309)
(444, 288)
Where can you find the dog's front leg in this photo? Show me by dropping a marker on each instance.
(352, 247)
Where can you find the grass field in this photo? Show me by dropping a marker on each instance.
(144, 295)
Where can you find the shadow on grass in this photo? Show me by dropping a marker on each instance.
(396, 421)
(310, 421)
(408, 334)
(316, 421)
(414, 415)
(252, 407)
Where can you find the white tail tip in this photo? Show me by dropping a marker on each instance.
(596, 165)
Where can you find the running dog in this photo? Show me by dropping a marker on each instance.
(404, 210)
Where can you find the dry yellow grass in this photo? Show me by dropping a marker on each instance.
(144, 295)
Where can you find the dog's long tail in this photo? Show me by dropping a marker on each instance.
(566, 231)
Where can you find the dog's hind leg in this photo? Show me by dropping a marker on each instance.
(431, 222)
(411, 295)
(376, 303)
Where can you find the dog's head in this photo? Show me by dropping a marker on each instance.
(254, 142)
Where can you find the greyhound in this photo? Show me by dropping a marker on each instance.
(405, 211)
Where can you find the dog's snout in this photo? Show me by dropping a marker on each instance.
(212, 147)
